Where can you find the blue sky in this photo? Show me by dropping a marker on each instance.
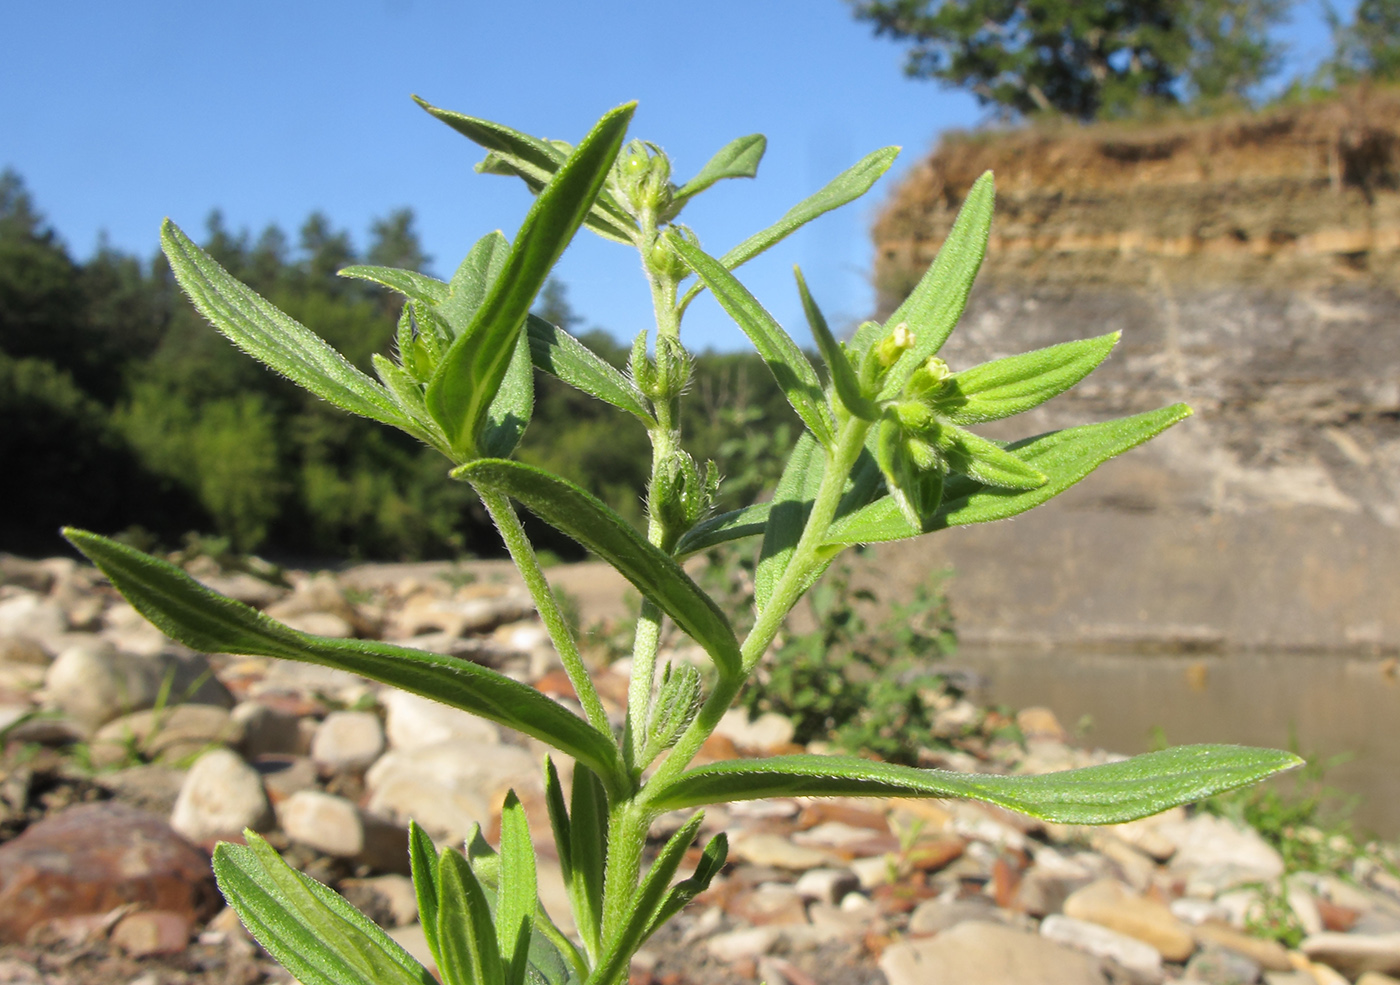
(117, 115)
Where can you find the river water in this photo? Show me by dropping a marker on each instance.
(1325, 705)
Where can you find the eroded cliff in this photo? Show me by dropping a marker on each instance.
(1253, 267)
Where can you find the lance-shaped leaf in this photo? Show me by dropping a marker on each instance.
(1006, 387)
(588, 855)
(933, 309)
(272, 337)
(1105, 794)
(790, 367)
(986, 461)
(472, 282)
(204, 620)
(1064, 456)
(586, 519)
(517, 899)
(734, 525)
(509, 413)
(466, 381)
(709, 866)
(408, 394)
(558, 353)
(312, 931)
(847, 186)
(838, 365)
(787, 515)
(737, 159)
(916, 487)
(466, 934)
(409, 283)
(647, 901)
(423, 864)
(534, 161)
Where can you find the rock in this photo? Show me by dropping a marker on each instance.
(1040, 723)
(934, 916)
(413, 722)
(22, 650)
(1377, 978)
(770, 904)
(348, 741)
(844, 837)
(1110, 904)
(13, 972)
(390, 895)
(738, 945)
(1269, 955)
(827, 885)
(841, 923)
(268, 730)
(1213, 855)
(31, 616)
(1135, 867)
(93, 858)
(1353, 954)
(1219, 966)
(94, 682)
(149, 932)
(1305, 908)
(458, 616)
(321, 624)
(871, 872)
(412, 940)
(220, 797)
(283, 776)
(243, 587)
(170, 734)
(151, 788)
(321, 594)
(334, 826)
(766, 732)
(1140, 962)
(1049, 882)
(763, 848)
(976, 953)
(450, 786)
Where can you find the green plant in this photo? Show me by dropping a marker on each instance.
(884, 456)
(867, 688)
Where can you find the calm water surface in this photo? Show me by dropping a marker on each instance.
(1321, 704)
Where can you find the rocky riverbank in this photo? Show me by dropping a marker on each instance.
(126, 756)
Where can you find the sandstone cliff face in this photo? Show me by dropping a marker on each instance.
(1253, 267)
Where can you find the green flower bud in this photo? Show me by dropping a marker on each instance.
(676, 706)
(643, 370)
(928, 378)
(673, 366)
(679, 497)
(894, 345)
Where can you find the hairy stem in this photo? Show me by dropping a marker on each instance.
(508, 523)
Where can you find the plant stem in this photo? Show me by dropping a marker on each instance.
(508, 523)
(808, 558)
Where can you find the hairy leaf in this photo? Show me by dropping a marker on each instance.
(737, 159)
(558, 353)
(843, 375)
(510, 411)
(1106, 794)
(409, 283)
(1005, 387)
(273, 338)
(518, 897)
(185, 610)
(466, 934)
(1064, 456)
(787, 515)
(722, 528)
(587, 520)
(423, 864)
(312, 931)
(588, 851)
(790, 367)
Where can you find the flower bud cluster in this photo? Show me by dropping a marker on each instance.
(641, 179)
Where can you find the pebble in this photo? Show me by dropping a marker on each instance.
(1269, 955)
(1140, 962)
(32, 616)
(220, 797)
(170, 734)
(827, 885)
(977, 953)
(1353, 954)
(269, 731)
(1218, 966)
(765, 733)
(149, 932)
(413, 722)
(762, 848)
(1213, 855)
(334, 826)
(738, 945)
(348, 741)
(1110, 904)
(22, 650)
(94, 682)
(451, 786)
(937, 915)
(94, 858)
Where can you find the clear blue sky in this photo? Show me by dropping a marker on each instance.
(119, 114)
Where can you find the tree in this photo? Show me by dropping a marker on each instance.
(1084, 58)
(1368, 47)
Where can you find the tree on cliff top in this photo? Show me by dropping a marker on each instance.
(1085, 58)
(1368, 47)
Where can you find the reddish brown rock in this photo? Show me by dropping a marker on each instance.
(93, 858)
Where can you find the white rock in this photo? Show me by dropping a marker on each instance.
(827, 885)
(323, 821)
(1213, 855)
(321, 624)
(94, 682)
(220, 797)
(450, 786)
(1140, 961)
(767, 731)
(1198, 911)
(764, 848)
(976, 953)
(414, 722)
(737, 945)
(31, 615)
(347, 741)
(269, 731)
(1353, 954)
(871, 872)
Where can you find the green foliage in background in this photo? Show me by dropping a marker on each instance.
(1087, 60)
